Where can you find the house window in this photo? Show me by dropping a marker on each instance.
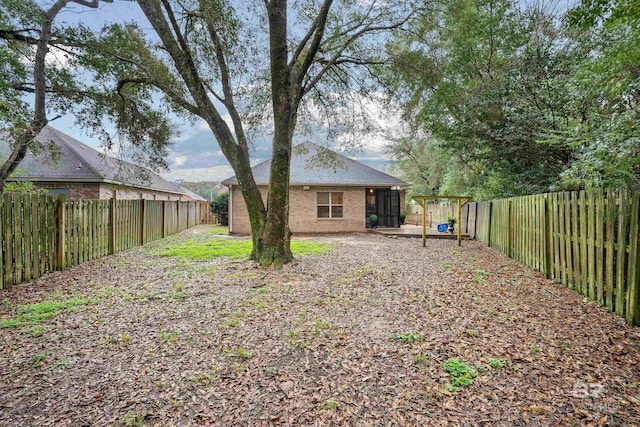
(58, 191)
(329, 205)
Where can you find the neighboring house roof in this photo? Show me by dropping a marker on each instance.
(80, 163)
(190, 193)
(315, 165)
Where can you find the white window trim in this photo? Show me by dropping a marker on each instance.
(330, 205)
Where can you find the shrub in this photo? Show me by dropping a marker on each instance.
(220, 204)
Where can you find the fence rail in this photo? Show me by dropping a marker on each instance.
(587, 240)
(40, 233)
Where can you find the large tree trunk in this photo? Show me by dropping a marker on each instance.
(274, 244)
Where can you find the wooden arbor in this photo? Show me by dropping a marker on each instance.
(422, 201)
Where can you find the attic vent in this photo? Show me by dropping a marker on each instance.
(83, 147)
(79, 166)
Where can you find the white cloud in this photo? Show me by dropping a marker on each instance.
(215, 173)
(180, 160)
(204, 126)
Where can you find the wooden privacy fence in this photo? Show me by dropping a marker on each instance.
(206, 216)
(588, 240)
(41, 233)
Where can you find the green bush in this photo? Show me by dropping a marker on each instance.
(220, 204)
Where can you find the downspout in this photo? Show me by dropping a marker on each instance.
(230, 209)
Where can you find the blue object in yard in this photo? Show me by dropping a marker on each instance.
(442, 228)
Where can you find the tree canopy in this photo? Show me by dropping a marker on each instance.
(52, 69)
(521, 100)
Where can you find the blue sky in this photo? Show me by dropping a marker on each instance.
(195, 155)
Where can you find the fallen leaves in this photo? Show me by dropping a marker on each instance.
(220, 342)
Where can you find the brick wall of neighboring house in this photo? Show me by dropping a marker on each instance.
(93, 191)
(107, 191)
(303, 211)
(75, 190)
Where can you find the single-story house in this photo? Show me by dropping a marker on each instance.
(329, 193)
(81, 172)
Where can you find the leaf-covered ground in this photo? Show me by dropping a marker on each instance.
(360, 336)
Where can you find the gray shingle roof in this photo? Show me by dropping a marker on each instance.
(80, 163)
(315, 165)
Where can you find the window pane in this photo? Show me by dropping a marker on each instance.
(323, 198)
(323, 211)
(336, 211)
(336, 198)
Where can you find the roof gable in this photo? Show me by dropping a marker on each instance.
(315, 165)
(79, 162)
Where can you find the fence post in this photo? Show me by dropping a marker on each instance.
(164, 219)
(112, 225)
(143, 220)
(60, 232)
(509, 231)
(475, 220)
(547, 238)
(489, 223)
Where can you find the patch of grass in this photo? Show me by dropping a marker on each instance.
(109, 340)
(460, 374)
(168, 336)
(421, 359)
(33, 314)
(240, 352)
(179, 295)
(407, 337)
(37, 360)
(35, 331)
(61, 364)
(329, 405)
(204, 378)
(217, 230)
(495, 363)
(234, 248)
(134, 419)
(234, 320)
(322, 324)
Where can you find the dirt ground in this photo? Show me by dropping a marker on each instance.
(357, 336)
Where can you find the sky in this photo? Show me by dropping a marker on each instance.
(195, 154)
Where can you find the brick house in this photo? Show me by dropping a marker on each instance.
(329, 193)
(81, 172)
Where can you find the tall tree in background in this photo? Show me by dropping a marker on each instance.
(605, 136)
(46, 70)
(487, 82)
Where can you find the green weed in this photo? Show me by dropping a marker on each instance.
(322, 324)
(61, 364)
(179, 295)
(407, 337)
(460, 374)
(168, 336)
(496, 363)
(421, 359)
(35, 331)
(134, 419)
(37, 360)
(203, 378)
(240, 352)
